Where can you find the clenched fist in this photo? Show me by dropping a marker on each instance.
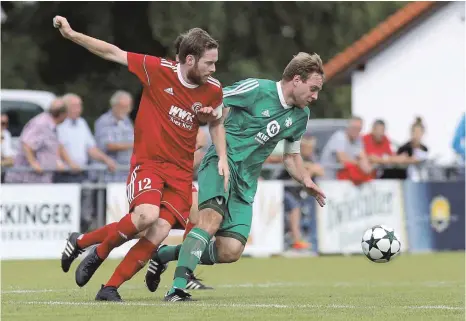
(63, 26)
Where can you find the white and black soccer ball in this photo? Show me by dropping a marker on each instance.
(380, 244)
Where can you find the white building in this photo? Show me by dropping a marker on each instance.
(412, 64)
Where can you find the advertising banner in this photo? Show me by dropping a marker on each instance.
(435, 215)
(36, 219)
(351, 209)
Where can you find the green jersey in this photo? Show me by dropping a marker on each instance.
(258, 119)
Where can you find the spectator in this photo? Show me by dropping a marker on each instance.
(40, 147)
(415, 153)
(292, 197)
(7, 147)
(115, 134)
(343, 156)
(378, 149)
(459, 139)
(76, 137)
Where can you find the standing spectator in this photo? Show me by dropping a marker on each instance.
(378, 149)
(415, 153)
(7, 146)
(343, 156)
(40, 147)
(7, 142)
(293, 196)
(459, 139)
(459, 145)
(115, 134)
(77, 139)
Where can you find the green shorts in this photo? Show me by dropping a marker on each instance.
(238, 217)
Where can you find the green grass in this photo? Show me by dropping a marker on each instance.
(413, 287)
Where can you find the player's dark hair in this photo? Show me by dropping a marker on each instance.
(379, 122)
(303, 65)
(195, 42)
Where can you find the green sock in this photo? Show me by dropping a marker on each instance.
(169, 253)
(190, 254)
(210, 254)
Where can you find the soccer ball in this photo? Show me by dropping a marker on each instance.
(380, 244)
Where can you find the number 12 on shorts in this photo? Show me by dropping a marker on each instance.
(141, 185)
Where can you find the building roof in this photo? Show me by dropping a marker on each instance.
(369, 43)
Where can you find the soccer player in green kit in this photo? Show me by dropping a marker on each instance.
(261, 113)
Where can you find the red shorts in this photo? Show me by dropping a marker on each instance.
(163, 185)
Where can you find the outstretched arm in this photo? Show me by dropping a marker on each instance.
(294, 166)
(98, 47)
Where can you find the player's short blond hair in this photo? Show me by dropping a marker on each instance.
(303, 65)
(195, 42)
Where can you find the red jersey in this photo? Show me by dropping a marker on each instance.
(166, 124)
(378, 149)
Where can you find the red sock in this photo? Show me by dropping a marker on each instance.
(188, 229)
(96, 236)
(134, 260)
(124, 231)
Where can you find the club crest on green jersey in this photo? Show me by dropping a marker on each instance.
(273, 128)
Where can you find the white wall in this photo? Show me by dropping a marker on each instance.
(421, 73)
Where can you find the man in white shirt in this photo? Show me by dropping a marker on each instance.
(77, 138)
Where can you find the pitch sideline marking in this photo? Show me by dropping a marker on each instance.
(233, 305)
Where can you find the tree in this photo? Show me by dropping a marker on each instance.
(257, 39)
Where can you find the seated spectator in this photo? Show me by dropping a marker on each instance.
(76, 137)
(7, 146)
(114, 134)
(40, 147)
(343, 156)
(378, 149)
(415, 153)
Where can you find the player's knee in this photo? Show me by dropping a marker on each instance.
(158, 231)
(209, 220)
(229, 249)
(146, 214)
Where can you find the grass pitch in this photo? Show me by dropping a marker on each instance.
(412, 287)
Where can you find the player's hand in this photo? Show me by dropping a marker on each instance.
(315, 191)
(62, 25)
(224, 170)
(207, 115)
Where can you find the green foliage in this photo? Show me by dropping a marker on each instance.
(257, 39)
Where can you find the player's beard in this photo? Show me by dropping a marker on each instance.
(194, 75)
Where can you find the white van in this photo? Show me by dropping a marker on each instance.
(21, 106)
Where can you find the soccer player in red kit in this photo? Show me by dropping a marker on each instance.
(176, 97)
(77, 242)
